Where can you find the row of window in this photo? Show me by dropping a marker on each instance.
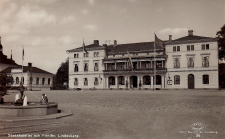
(96, 81)
(205, 79)
(31, 80)
(205, 62)
(76, 68)
(95, 54)
(190, 47)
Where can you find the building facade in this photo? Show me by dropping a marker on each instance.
(190, 62)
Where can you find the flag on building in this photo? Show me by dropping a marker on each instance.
(130, 61)
(84, 49)
(158, 42)
(23, 53)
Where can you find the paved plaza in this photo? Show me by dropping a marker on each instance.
(129, 114)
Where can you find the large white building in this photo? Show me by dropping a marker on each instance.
(186, 63)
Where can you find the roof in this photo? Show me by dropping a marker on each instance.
(133, 47)
(26, 69)
(88, 47)
(191, 39)
(5, 60)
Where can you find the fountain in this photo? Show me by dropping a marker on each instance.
(22, 107)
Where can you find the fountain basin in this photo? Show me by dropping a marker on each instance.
(32, 109)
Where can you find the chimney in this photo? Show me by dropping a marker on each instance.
(96, 42)
(115, 42)
(30, 64)
(190, 32)
(170, 37)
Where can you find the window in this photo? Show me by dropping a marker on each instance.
(86, 54)
(85, 67)
(188, 48)
(205, 62)
(96, 67)
(76, 69)
(176, 79)
(158, 64)
(158, 80)
(176, 63)
(75, 81)
(113, 55)
(49, 81)
(75, 55)
(96, 81)
(178, 48)
(174, 49)
(147, 64)
(122, 65)
(43, 81)
(121, 80)
(113, 66)
(96, 54)
(205, 79)
(85, 81)
(37, 81)
(17, 80)
(146, 80)
(205, 46)
(190, 62)
(112, 80)
(192, 47)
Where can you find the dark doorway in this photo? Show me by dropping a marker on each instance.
(191, 81)
(133, 81)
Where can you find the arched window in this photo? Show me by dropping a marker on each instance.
(96, 67)
(75, 81)
(43, 81)
(17, 80)
(85, 67)
(49, 81)
(146, 80)
(96, 81)
(37, 81)
(112, 80)
(76, 69)
(121, 80)
(85, 81)
(176, 79)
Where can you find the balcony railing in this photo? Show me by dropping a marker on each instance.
(129, 71)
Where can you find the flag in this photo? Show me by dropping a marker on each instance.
(158, 42)
(130, 61)
(84, 48)
(23, 53)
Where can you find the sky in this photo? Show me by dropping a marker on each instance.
(46, 29)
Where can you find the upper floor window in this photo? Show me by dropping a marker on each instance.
(190, 47)
(17, 80)
(176, 63)
(96, 67)
(96, 81)
(205, 79)
(122, 65)
(85, 67)
(96, 54)
(158, 64)
(113, 66)
(205, 62)
(86, 54)
(85, 81)
(147, 64)
(76, 55)
(205, 46)
(75, 81)
(176, 48)
(76, 69)
(176, 79)
(191, 62)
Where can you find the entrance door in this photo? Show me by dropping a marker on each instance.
(191, 81)
(133, 81)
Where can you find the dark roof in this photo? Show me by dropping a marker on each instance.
(88, 47)
(133, 47)
(191, 39)
(5, 60)
(26, 69)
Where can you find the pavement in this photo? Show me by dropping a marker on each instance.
(122, 114)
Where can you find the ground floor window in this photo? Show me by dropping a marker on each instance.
(121, 80)
(75, 81)
(158, 80)
(96, 81)
(112, 80)
(146, 80)
(176, 79)
(85, 81)
(205, 79)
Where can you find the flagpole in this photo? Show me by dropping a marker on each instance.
(22, 65)
(154, 78)
(83, 65)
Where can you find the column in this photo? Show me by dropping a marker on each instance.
(128, 79)
(162, 64)
(116, 82)
(115, 65)
(152, 81)
(162, 81)
(140, 64)
(107, 83)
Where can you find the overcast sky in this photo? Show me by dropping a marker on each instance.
(47, 28)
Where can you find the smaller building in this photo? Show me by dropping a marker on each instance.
(33, 78)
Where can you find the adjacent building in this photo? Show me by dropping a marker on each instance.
(190, 62)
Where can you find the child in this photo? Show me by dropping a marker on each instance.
(44, 99)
